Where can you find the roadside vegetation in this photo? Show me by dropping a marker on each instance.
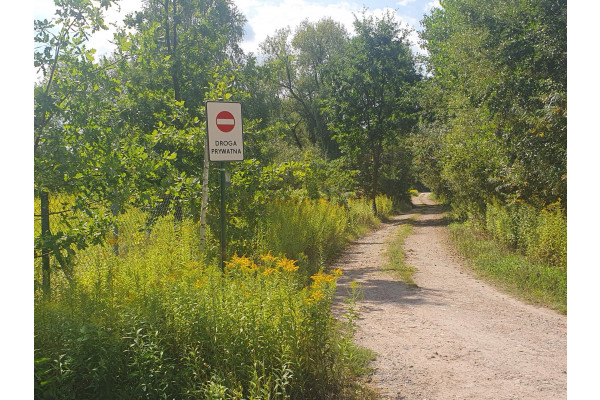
(130, 299)
(492, 140)
(157, 321)
(521, 248)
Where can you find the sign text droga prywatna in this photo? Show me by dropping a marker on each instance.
(228, 143)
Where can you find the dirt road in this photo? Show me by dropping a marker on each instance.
(453, 337)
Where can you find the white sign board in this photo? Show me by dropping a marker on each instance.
(224, 131)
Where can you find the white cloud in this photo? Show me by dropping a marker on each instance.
(265, 17)
(43, 9)
(405, 2)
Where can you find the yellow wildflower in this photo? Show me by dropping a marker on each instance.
(268, 257)
(244, 263)
(317, 295)
(321, 277)
(287, 265)
(269, 271)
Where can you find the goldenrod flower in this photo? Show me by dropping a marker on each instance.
(317, 295)
(268, 257)
(287, 265)
(321, 277)
(244, 263)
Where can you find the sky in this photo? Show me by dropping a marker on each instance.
(266, 16)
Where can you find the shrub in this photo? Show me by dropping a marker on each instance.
(551, 244)
(360, 216)
(384, 206)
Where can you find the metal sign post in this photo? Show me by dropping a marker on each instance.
(225, 143)
(223, 223)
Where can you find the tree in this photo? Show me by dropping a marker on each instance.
(498, 83)
(179, 52)
(297, 65)
(68, 110)
(371, 95)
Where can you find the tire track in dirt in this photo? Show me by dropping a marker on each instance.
(453, 337)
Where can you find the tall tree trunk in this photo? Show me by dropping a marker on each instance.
(375, 183)
(172, 51)
(204, 205)
(45, 213)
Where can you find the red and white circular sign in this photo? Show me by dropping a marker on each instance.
(225, 121)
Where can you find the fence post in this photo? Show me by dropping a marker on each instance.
(204, 205)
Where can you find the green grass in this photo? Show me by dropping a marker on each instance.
(395, 255)
(533, 281)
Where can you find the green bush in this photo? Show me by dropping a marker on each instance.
(132, 328)
(384, 206)
(360, 215)
(551, 245)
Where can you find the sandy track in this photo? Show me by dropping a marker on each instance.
(453, 337)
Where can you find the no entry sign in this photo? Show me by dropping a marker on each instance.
(224, 129)
(225, 121)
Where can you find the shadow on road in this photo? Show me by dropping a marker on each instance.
(381, 291)
(432, 215)
(376, 290)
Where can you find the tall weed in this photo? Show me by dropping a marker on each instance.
(384, 206)
(537, 281)
(314, 231)
(254, 332)
(540, 235)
